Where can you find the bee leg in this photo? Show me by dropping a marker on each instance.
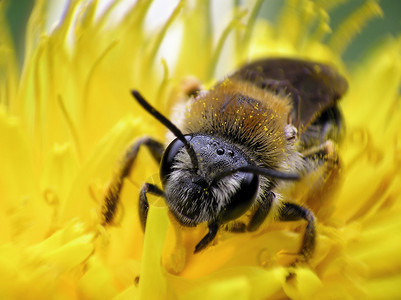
(213, 228)
(262, 212)
(143, 207)
(237, 227)
(294, 212)
(156, 149)
(112, 195)
(325, 152)
(332, 124)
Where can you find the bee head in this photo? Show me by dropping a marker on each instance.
(193, 196)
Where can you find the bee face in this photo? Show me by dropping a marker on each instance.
(262, 125)
(203, 200)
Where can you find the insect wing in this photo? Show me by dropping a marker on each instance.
(313, 87)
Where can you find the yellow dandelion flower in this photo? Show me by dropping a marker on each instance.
(68, 118)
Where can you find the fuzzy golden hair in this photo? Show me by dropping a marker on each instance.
(252, 118)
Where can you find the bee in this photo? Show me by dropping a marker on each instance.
(269, 123)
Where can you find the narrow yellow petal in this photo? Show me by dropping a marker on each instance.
(152, 283)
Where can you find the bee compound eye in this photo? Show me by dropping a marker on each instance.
(243, 198)
(168, 158)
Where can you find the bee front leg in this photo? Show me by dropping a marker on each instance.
(143, 207)
(213, 229)
(112, 195)
(294, 212)
(262, 211)
(258, 217)
(326, 151)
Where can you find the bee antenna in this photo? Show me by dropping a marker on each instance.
(166, 122)
(256, 170)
